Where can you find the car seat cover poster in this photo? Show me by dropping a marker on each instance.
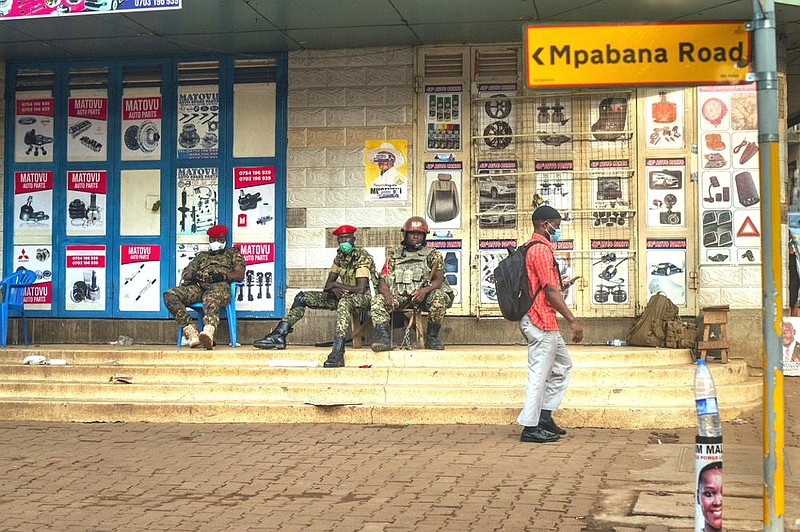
(15, 9)
(443, 188)
(140, 267)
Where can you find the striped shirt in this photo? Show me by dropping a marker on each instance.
(541, 272)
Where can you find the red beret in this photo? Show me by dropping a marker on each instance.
(216, 231)
(344, 230)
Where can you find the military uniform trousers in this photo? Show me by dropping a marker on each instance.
(214, 296)
(344, 308)
(435, 304)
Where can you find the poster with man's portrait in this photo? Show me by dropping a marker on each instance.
(386, 170)
(790, 347)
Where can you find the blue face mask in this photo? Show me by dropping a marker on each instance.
(345, 247)
(556, 234)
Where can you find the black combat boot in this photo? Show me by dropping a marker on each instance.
(432, 337)
(276, 339)
(547, 422)
(336, 358)
(384, 340)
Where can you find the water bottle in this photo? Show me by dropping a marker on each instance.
(705, 398)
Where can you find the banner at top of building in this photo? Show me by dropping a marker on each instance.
(691, 53)
(16, 9)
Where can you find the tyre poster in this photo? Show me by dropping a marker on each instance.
(141, 128)
(139, 272)
(257, 291)
(444, 104)
(497, 116)
(87, 129)
(85, 277)
(86, 203)
(666, 268)
(33, 203)
(198, 123)
(33, 134)
(254, 203)
(38, 296)
(197, 193)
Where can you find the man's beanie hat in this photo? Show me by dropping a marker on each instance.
(545, 212)
(216, 231)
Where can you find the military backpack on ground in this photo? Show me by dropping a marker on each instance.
(650, 328)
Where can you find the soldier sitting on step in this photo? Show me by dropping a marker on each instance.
(206, 279)
(346, 291)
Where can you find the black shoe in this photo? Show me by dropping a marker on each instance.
(550, 426)
(537, 435)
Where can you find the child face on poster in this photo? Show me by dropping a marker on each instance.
(709, 495)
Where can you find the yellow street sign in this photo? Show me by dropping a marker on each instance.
(691, 53)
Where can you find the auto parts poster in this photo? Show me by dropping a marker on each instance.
(87, 129)
(443, 187)
(497, 194)
(139, 272)
(666, 268)
(198, 123)
(85, 277)
(663, 119)
(610, 271)
(141, 128)
(48, 8)
(386, 170)
(610, 192)
(258, 291)
(498, 120)
(33, 203)
(666, 192)
(33, 135)
(39, 259)
(443, 119)
(554, 187)
(86, 203)
(451, 252)
(197, 193)
(254, 203)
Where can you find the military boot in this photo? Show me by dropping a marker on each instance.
(384, 340)
(207, 336)
(276, 339)
(336, 358)
(432, 337)
(191, 334)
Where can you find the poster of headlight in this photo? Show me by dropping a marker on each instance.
(554, 186)
(610, 192)
(254, 202)
(666, 268)
(33, 134)
(139, 272)
(663, 117)
(443, 120)
(497, 194)
(490, 253)
(85, 277)
(610, 271)
(553, 123)
(87, 129)
(11, 9)
(729, 190)
(497, 115)
(443, 187)
(86, 202)
(666, 196)
(197, 199)
(609, 118)
(141, 128)
(39, 259)
(33, 203)
(257, 292)
(451, 252)
(385, 170)
(184, 253)
(198, 123)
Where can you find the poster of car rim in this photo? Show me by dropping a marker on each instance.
(497, 114)
(554, 122)
(610, 272)
(198, 123)
(139, 273)
(666, 197)
(490, 253)
(663, 117)
(85, 277)
(33, 203)
(443, 194)
(666, 268)
(86, 203)
(729, 195)
(443, 119)
(141, 128)
(451, 253)
(12, 9)
(39, 259)
(197, 193)
(254, 202)
(257, 291)
(554, 186)
(610, 193)
(497, 194)
(87, 129)
(33, 133)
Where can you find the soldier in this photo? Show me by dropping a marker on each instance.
(206, 279)
(413, 277)
(346, 290)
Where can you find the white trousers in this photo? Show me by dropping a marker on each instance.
(549, 368)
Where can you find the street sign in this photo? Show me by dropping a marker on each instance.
(691, 53)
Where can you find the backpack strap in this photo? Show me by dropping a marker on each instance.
(555, 266)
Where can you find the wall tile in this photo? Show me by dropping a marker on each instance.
(307, 197)
(308, 117)
(304, 78)
(739, 297)
(341, 117)
(751, 276)
(367, 216)
(345, 157)
(364, 96)
(346, 77)
(295, 177)
(324, 137)
(400, 95)
(402, 132)
(321, 258)
(327, 97)
(327, 58)
(356, 136)
(327, 178)
(344, 197)
(398, 76)
(325, 217)
(386, 115)
(397, 216)
(708, 297)
(305, 238)
(305, 157)
(297, 98)
(354, 177)
(295, 258)
(298, 59)
(296, 138)
(721, 276)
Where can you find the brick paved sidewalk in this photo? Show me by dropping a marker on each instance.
(135, 476)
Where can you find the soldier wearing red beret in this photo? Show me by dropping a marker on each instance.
(206, 279)
(346, 291)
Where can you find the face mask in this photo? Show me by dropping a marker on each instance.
(556, 234)
(345, 247)
(216, 246)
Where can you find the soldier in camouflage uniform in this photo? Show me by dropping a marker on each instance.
(206, 279)
(346, 290)
(413, 277)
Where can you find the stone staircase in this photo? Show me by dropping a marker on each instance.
(624, 387)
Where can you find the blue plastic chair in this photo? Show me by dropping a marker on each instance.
(229, 311)
(12, 289)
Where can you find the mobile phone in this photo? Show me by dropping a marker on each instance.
(571, 281)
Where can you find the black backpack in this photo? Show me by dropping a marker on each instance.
(511, 283)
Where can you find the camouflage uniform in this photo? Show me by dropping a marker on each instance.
(357, 263)
(406, 271)
(213, 295)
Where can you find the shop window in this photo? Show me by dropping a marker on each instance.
(254, 108)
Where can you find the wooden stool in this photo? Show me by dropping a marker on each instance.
(414, 318)
(358, 323)
(714, 316)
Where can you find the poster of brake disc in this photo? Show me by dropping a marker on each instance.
(666, 268)
(497, 115)
(85, 277)
(39, 259)
(141, 128)
(666, 196)
(87, 129)
(610, 270)
(443, 197)
(729, 189)
(33, 203)
(443, 119)
(86, 202)
(554, 187)
(254, 203)
(497, 194)
(451, 253)
(610, 193)
(33, 134)
(198, 123)
(197, 193)
(257, 292)
(139, 271)
(664, 128)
